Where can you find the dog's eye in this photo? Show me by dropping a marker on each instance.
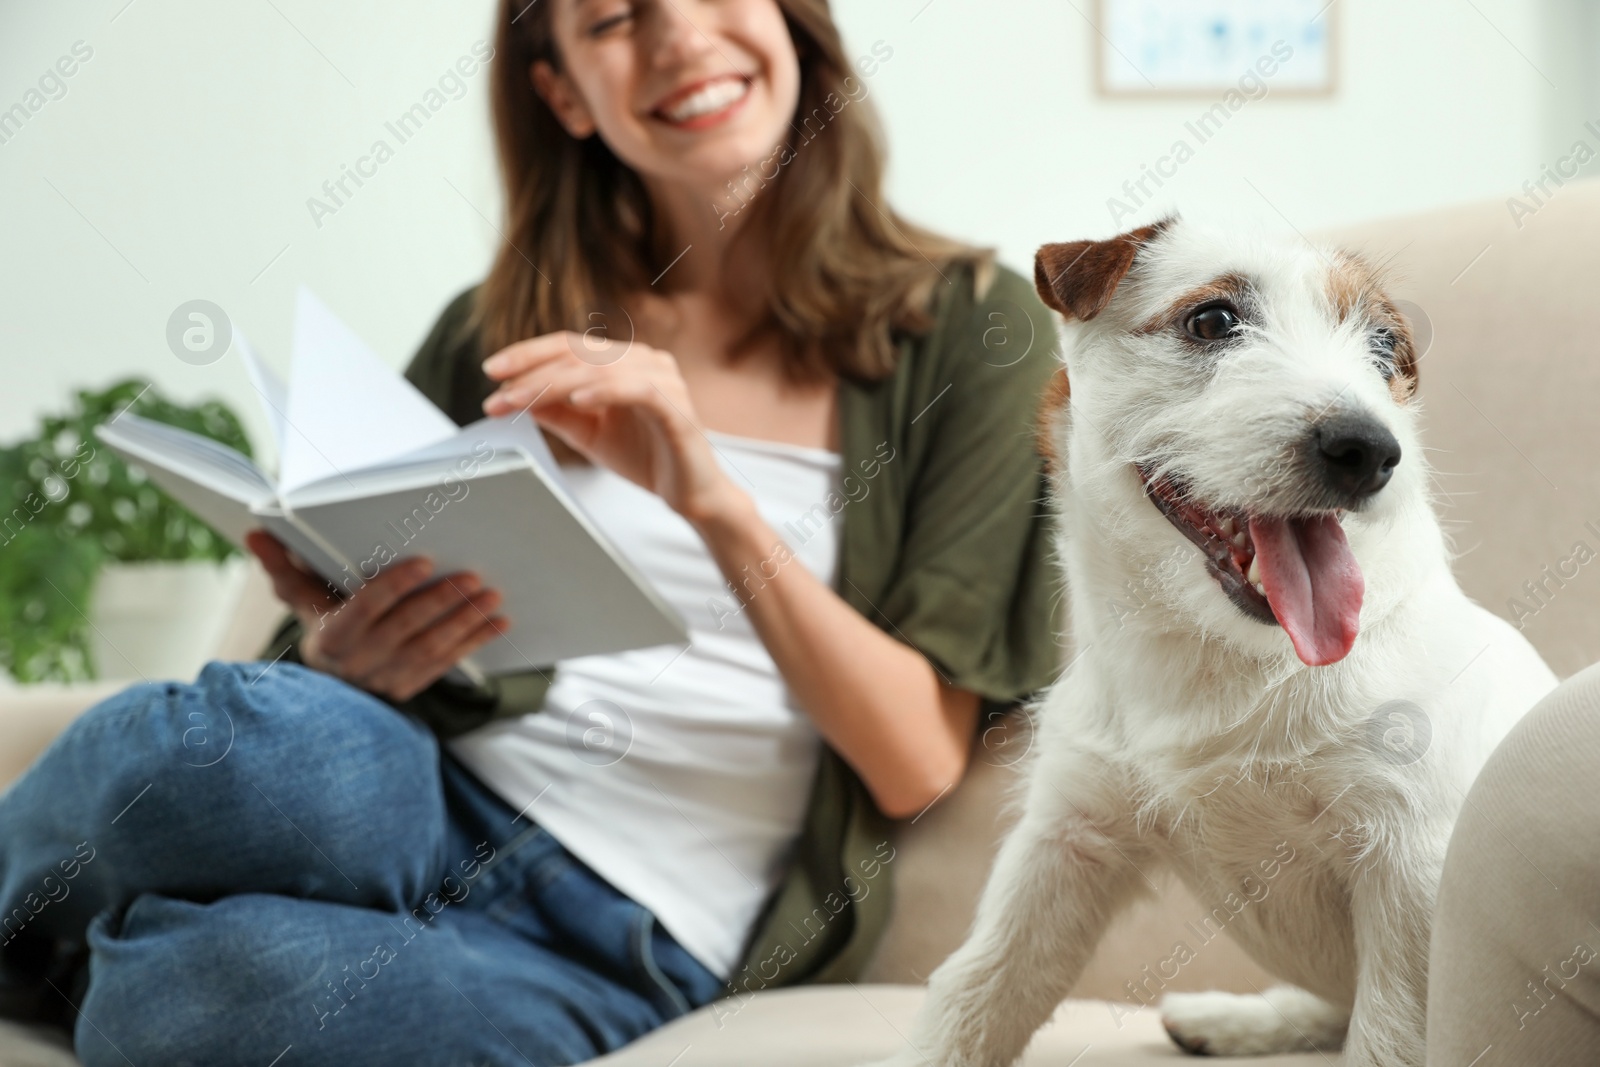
(1214, 322)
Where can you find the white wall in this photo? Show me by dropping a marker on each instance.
(997, 131)
(179, 162)
(191, 142)
(1571, 46)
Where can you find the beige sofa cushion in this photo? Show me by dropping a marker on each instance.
(834, 1026)
(840, 1026)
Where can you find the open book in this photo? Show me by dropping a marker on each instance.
(371, 472)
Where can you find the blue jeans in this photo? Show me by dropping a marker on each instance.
(270, 863)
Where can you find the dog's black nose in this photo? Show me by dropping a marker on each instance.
(1357, 453)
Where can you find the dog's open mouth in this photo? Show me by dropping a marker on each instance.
(1297, 572)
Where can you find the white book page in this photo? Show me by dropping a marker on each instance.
(488, 441)
(518, 431)
(209, 478)
(269, 387)
(420, 471)
(504, 432)
(347, 409)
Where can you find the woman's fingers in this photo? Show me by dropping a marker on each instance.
(419, 614)
(525, 355)
(347, 631)
(431, 655)
(542, 387)
(591, 347)
(269, 550)
(578, 429)
(640, 394)
(582, 387)
(302, 592)
(399, 633)
(439, 642)
(547, 366)
(635, 392)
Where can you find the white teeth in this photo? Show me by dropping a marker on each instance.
(1226, 526)
(708, 99)
(1259, 589)
(1253, 575)
(1240, 539)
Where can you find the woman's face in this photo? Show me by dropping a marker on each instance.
(683, 91)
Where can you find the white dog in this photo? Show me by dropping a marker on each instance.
(1277, 679)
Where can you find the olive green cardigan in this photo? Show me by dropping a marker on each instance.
(944, 544)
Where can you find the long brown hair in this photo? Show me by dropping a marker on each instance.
(846, 275)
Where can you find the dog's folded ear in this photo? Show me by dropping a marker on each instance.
(1077, 278)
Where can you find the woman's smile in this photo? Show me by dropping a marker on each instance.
(687, 94)
(704, 103)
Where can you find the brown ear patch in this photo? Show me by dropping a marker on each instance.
(1051, 405)
(1353, 284)
(1078, 278)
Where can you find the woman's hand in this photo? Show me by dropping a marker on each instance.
(398, 634)
(623, 406)
(877, 701)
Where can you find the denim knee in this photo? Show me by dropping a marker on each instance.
(254, 778)
(322, 765)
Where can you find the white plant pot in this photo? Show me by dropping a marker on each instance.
(161, 621)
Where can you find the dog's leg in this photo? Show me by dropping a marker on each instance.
(1391, 904)
(1283, 1019)
(1065, 869)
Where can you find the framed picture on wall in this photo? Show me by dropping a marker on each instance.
(1204, 47)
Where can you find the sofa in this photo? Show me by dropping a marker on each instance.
(1509, 384)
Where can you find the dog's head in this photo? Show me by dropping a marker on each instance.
(1257, 397)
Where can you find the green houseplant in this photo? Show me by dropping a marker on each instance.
(69, 507)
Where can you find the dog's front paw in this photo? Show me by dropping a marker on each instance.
(1284, 1019)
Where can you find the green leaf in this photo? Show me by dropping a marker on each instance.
(68, 504)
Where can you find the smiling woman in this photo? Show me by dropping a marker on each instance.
(841, 271)
(782, 408)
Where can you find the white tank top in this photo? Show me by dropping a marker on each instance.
(680, 775)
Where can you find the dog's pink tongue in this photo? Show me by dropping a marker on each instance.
(1312, 582)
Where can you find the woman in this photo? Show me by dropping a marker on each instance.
(808, 423)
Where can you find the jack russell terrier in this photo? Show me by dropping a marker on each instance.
(1276, 677)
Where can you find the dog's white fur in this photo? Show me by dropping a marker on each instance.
(1185, 735)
